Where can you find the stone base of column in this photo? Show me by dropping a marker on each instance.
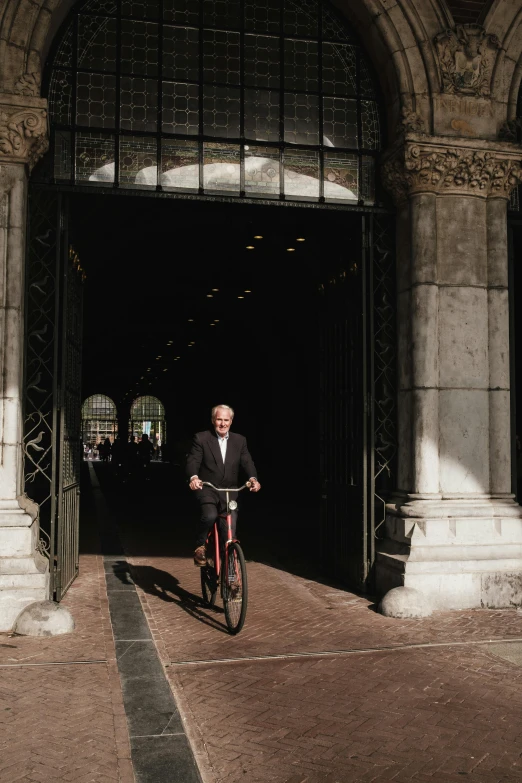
(24, 573)
(461, 553)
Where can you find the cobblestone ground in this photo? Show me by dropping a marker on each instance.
(61, 709)
(318, 687)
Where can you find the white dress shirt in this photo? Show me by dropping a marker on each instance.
(222, 445)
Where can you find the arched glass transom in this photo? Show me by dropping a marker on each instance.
(98, 406)
(256, 98)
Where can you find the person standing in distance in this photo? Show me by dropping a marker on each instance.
(217, 455)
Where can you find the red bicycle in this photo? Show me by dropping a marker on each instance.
(226, 566)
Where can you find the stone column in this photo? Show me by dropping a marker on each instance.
(453, 530)
(24, 573)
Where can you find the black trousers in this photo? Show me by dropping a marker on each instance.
(212, 504)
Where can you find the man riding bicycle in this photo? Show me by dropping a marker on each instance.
(216, 455)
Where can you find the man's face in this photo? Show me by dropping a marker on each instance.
(222, 421)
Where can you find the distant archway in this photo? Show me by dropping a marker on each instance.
(99, 421)
(148, 417)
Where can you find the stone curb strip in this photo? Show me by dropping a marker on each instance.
(160, 749)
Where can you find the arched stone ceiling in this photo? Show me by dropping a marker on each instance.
(504, 19)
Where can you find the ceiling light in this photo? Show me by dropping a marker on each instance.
(250, 247)
(142, 377)
(210, 296)
(248, 291)
(165, 369)
(216, 320)
(300, 239)
(258, 237)
(290, 249)
(241, 297)
(215, 289)
(212, 324)
(190, 319)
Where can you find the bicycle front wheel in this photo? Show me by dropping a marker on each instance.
(234, 587)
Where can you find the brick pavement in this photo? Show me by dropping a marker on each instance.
(288, 614)
(61, 720)
(376, 708)
(380, 711)
(395, 716)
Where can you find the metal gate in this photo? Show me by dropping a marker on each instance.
(358, 402)
(52, 387)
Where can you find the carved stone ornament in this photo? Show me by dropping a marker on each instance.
(28, 84)
(466, 56)
(410, 122)
(421, 167)
(23, 134)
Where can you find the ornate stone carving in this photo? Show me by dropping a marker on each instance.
(23, 134)
(28, 84)
(466, 57)
(410, 122)
(419, 167)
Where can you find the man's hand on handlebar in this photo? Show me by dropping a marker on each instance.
(253, 484)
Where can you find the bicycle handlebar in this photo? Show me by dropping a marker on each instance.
(222, 489)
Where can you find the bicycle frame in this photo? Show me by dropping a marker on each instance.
(228, 517)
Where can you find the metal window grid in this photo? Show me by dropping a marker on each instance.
(121, 71)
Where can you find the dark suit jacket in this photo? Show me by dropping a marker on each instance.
(205, 460)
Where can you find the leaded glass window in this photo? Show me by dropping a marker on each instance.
(148, 417)
(259, 98)
(99, 421)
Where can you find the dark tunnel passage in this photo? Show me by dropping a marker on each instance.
(200, 303)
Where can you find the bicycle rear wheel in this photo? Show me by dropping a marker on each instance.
(234, 588)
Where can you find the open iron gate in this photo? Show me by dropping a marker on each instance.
(358, 441)
(52, 388)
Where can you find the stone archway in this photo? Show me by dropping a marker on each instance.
(451, 176)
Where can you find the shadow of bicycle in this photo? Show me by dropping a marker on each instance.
(163, 585)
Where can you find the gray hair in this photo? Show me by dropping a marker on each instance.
(226, 407)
